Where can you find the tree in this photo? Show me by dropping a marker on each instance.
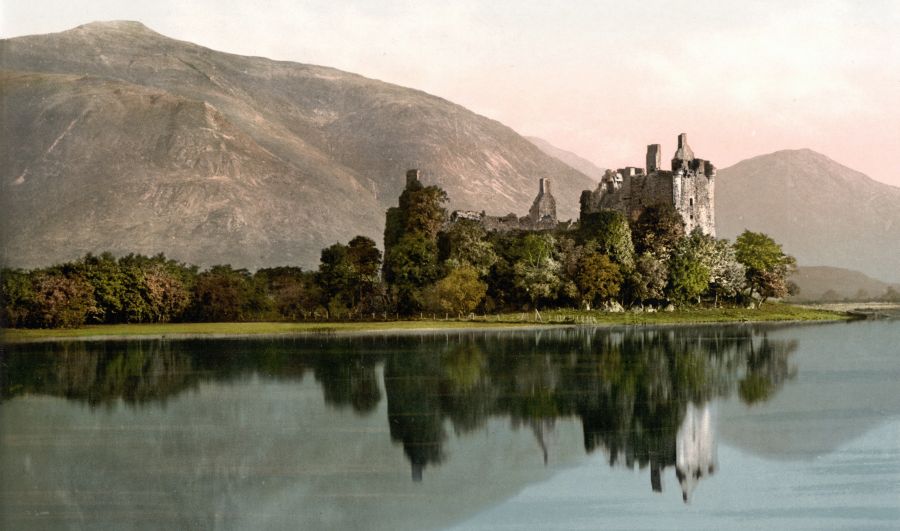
(413, 266)
(691, 265)
(598, 277)
(647, 280)
(110, 286)
(727, 275)
(166, 295)
(657, 230)
(62, 298)
(611, 234)
(411, 234)
(224, 294)
(365, 263)
(16, 298)
(767, 265)
(466, 242)
(460, 292)
(424, 209)
(335, 276)
(294, 292)
(536, 271)
(688, 275)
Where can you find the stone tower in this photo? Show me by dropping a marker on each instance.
(689, 187)
(654, 159)
(544, 206)
(412, 178)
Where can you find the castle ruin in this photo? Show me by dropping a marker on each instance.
(689, 187)
(541, 215)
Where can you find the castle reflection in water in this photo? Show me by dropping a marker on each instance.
(643, 396)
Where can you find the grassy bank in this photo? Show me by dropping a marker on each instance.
(769, 312)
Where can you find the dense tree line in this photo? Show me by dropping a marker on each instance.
(606, 262)
(428, 266)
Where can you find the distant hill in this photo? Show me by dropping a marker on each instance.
(571, 159)
(117, 138)
(814, 281)
(822, 212)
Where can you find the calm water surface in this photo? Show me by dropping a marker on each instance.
(786, 427)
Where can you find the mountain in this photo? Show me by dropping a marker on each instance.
(570, 159)
(117, 138)
(822, 212)
(814, 281)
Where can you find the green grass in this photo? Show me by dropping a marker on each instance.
(769, 312)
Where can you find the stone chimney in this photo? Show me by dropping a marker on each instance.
(654, 158)
(544, 206)
(684, 151)
(412, 177)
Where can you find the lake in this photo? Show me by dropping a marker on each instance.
(714, 427)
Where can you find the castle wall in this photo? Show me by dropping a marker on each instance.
(648, 190)
(693, 196)
(689, 188)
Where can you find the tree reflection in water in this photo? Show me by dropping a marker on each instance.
(642, 395)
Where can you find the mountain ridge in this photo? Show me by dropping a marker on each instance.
(821, 211)
(343, 139)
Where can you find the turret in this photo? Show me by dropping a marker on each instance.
(653, 158)
(412, 178)
(683, 155)
(544, 206)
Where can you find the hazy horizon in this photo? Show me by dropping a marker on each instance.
(600, 80)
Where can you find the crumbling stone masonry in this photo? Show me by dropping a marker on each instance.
(541, 216)
(689, 187)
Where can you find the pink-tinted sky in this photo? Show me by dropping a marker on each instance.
(602, 79)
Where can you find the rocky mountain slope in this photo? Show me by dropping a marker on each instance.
(822, 212)
(117, 138)
(570, 159)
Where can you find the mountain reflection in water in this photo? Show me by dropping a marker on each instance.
(642, 396)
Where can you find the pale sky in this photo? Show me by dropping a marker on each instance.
(600, 78)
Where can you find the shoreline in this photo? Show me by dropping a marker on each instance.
(555, 319)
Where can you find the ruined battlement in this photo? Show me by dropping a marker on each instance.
(412, 178)
(541, 215)
(689, 187)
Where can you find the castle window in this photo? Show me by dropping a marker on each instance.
(692, 217)
(691, 201)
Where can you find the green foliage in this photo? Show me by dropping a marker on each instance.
(647, 280)
(690, 267)
(411, 231)
(688, 276)
(611, 234)
(413, 265)
(767, 266)
(62, 299)
(598, 277)
(535, 270)
(466, 242)
(16, 297)
(348, 276)
(424, 210)
(226, 294)
(459, 293)
(335, 274)
(657, 231)
(294, 292)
